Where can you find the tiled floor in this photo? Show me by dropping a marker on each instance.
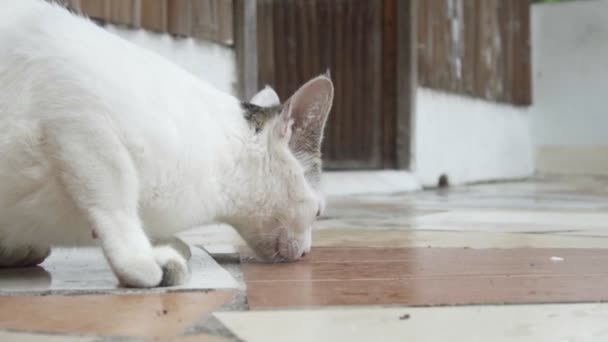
(422, 266)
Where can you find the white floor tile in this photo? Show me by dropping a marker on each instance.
(579, 322)
(513, 221)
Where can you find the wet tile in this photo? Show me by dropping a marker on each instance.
(86, 270)
(521, 323)
(110, 315)
(507, 197)
(513, 221)
(430, 276)
(375, 264)
(490, 219)
(530, 206)
(431, 291)
(447, 255)
(9, 336)
(382, 207)
(521, 202)
(520, 210)
(386, 238)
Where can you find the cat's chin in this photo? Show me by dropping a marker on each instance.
(274, 257)
(278, 259)
(280, 250)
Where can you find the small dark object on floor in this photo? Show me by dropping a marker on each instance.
(444, 181)
(404, 317)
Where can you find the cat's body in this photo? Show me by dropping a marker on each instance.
(104, 143)
(148, 107)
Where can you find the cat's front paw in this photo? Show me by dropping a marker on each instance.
(174, 266)
(164, 267)
(141, 271)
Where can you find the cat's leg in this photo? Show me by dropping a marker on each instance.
(22, 256)
(98, 173)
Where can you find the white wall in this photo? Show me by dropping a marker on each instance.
(570, 84)
(211, 62)
(565, 131)
(470, 139)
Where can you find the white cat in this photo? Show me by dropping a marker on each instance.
(104, 143)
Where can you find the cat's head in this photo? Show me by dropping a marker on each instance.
(284, 170)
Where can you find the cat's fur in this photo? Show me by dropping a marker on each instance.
(104, 143)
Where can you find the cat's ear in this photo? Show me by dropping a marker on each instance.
(266, 97)
(303, 119)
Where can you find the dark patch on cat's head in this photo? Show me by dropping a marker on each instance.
(258, 116)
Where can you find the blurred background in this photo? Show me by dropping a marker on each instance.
(472, 90)
(428, 93)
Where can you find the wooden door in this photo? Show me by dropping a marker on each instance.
(299, 39)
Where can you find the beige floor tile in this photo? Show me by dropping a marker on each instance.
(148, 315)
(503, 196)
(524, 323)
(513, 221)
(514, 202)
(418, 238)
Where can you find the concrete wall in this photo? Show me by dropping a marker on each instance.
(570, 63)
(469, 139)
(211, 62)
